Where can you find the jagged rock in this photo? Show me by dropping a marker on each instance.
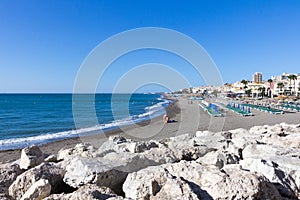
(31, 157)
(291, 140)
(39, 190)
(259, 130)
(241, 184)
(187, 146)
(156, 183)
(160, 155)
(116, 144)
(120, 144)
(83, 150)
(145, 146)
(8, 173)
(110, 170)
(287, 180)
(279, 164)
(268, 151)
(101, 172)
(203, 182)
(48, 171)
(211, 158)
(209, 140)
(86, 192)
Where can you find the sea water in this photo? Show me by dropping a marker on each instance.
(27, 119)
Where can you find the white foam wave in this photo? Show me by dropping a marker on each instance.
(150, 113)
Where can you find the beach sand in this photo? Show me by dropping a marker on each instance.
(188, 117)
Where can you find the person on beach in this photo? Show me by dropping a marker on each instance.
(165, 119)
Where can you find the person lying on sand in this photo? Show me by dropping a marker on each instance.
(166, 119)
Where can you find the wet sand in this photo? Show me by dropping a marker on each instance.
(188, 117)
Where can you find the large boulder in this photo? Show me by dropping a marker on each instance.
(110, 170)
(39, 190)
(8, 173)
(285, 177)
(189, 147)
(156, 183)
(198, 181)
(102, 173)
(160, 155)
(31, 157)
(219, 158)
(47, 171)
(283, 134)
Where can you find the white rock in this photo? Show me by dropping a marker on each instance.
(206, 182)
(285, 175)
(31, 157)
(259, 130)
(156, 183)
(38, 190)
(267, 151)
(189, 147)
(83, 150)
(82, 171)
(120, 144)
(48, 171)
(211, 158)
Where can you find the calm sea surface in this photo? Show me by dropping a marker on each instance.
(27, 119)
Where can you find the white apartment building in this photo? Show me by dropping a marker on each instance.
(289, 86)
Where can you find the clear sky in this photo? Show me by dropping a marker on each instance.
(44, 42)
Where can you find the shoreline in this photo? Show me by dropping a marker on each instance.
(12, 155)
(189, 118)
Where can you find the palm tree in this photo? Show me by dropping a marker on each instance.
(280, 85)
(262, 90)
(292, 77)
(245, 82)
(248, 92)
(270, 81)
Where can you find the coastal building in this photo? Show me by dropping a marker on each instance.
(283, 84)
(279, 85)
(257, 77)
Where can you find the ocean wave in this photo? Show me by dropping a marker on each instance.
(151, 112)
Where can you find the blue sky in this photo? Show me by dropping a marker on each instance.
(43, 43)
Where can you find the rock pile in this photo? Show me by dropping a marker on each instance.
(260, 163)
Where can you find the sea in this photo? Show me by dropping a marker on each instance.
(27, 119)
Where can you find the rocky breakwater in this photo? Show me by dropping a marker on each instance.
(260, 163)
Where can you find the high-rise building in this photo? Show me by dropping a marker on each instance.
(257, 77)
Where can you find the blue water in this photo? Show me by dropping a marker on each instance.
(27, 119)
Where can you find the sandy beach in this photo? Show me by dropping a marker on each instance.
(188, 117)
